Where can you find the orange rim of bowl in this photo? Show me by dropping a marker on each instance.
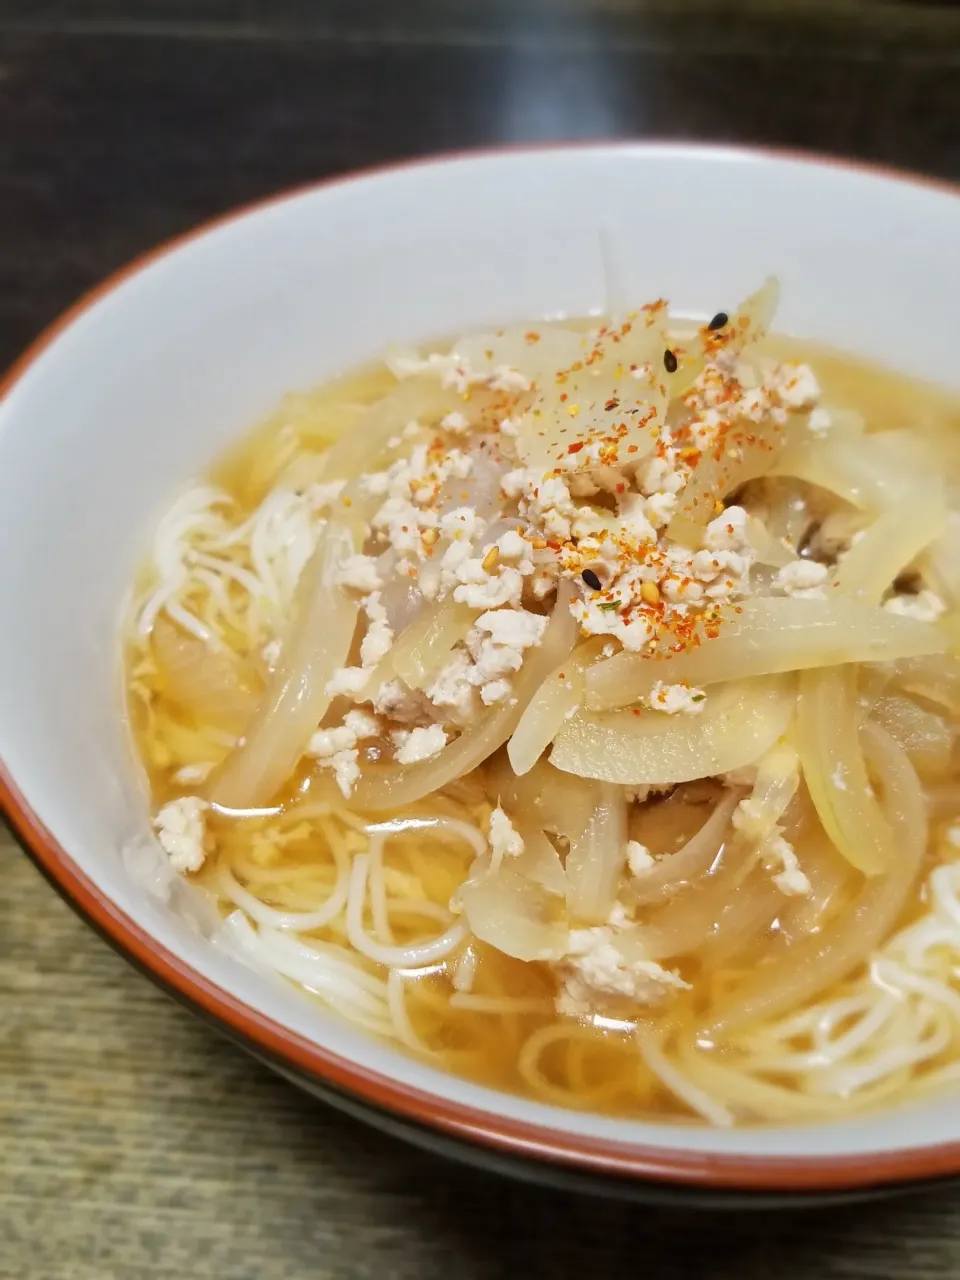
(525, 1140)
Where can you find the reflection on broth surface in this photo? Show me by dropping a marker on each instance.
(576, 707)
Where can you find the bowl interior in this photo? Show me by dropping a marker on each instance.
(147, 384)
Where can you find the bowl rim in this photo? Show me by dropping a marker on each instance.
(527, 1140)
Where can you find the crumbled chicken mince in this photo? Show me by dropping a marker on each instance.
(596, 516)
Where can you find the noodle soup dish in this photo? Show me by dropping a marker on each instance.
(486, 635)
(575, 705)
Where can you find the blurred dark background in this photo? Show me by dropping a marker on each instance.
(124, 121)
(134, 1143)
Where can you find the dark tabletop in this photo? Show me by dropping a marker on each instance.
(133, 1142)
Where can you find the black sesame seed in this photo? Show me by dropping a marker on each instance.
(719, 320)
(670, 362)
(591, 579)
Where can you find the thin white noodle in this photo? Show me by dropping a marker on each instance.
(498, 1004)
(378, 892)
(188, 621)
(827, 1053)
(416, 953)
(249, 581)
(332, 976)
(420, 907)
(289, 921)
(154, 603)
(465, 970)
(890, 974)
(846, 1080)
(397, 1000)
(398, 826)
(678, 1084)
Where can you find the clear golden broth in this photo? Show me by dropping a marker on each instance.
(287, 861)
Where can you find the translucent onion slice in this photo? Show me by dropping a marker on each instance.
(359, 449)
(539, 861)
(322, 415)
(745, 458)
(925, 737)
(596, 859)
(397, 785)
(513, 914)
(942, 561)
(557, 698)
(751, 321)
(695, 917)
(769, 635)
(545, 797)
(749, 324)
(295, 701)
(818, 961)
(851, 467)
(597, 401)
(214, 683)
(552, 348)
(672, 871)
(768, 549)
(936, 679)
(739, 722)
(893, 541)
(427, 643)
(828, 740)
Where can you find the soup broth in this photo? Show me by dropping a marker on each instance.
(762, 960)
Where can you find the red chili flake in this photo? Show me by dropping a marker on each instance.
(636, 711)
(621, 488)
(532, 337)
(575, 447)
(563, 397)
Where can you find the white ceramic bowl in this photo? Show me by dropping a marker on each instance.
(151, 376)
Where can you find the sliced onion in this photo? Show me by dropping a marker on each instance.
(714, 477)
(425, 646)
(296, 699)
(828, 739)
(513, 914)
(852, 468)
(571, 404)
(768, 635)
(818, 961)
(892, 542)
(214, 683)
(935, 679)
(751, 321)
(557, 698)
(359, 450)
(739, 722)
(555, 348)
(397, 785)
(925, 737)
(942, 561)
(674, 870)
(596, 859)
(768, 549)
(539, 861)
